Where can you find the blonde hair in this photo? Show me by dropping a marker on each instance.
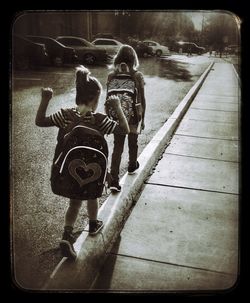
(87, 87)
(126, 54)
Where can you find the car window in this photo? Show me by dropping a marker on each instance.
(72, 42)
(104, 42)
(111, 43)
(97, 43)
(100, 42)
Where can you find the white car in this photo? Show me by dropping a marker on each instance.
(158, 49)
(111, 45)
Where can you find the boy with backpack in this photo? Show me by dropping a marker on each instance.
(126, 82)
(80, 161)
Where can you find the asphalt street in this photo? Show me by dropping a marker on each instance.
(37, 214)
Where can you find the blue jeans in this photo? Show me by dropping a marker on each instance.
(118, 150)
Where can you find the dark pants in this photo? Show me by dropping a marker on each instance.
(118, 150)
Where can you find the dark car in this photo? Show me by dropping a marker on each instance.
(190, 48)
(57, 52)
(86, 51)
(141, 48)
(27, 54)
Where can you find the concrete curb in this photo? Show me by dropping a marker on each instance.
(237, 75)
(92, 251)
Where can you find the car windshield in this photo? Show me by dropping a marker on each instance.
(59, 43)
(46, 40)
(71, 41)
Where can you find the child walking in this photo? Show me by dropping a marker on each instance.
(88, 90)
(127, 60)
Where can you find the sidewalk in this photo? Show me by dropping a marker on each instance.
(182, 233)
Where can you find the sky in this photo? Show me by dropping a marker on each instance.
(196, 18)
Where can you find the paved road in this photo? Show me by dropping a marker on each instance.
(37, 213)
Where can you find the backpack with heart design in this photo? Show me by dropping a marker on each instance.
(80, 163)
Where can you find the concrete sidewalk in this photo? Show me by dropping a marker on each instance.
(182, 234)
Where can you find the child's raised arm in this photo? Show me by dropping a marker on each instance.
(41, 119)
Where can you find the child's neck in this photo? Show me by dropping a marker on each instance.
(83, 109)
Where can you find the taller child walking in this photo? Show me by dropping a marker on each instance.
(127, 61)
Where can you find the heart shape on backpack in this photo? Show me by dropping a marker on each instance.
(78, 163)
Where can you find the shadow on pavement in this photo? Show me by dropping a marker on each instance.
(169, 69)
(174, 70)
(104, 281)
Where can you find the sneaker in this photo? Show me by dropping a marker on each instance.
(66, 245)
(114, 186)
(132, 168)
(95, 227)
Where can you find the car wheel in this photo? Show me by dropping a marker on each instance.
(158, 53)
(89, 59)
(57, 61)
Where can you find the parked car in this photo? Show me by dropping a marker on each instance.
(57, 52)
(86, 51)
(144, 50)
(111, 45)
(190, 47)
(141, 49)
(27, 54)
(157, 48)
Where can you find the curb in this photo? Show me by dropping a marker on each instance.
(92, 251)
(237, 75)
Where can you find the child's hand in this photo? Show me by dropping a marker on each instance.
(47, 93)
(114, 101)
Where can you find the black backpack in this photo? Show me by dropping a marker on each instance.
(79, 167)
(123, 85)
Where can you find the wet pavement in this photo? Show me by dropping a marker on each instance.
(38, 215)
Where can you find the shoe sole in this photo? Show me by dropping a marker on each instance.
(132, 172)
(114, 189)
(97, 231)
(67, 250)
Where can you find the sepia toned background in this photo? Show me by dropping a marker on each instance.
(37, 216)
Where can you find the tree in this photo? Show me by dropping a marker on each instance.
(165, 27)
(221, 30)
